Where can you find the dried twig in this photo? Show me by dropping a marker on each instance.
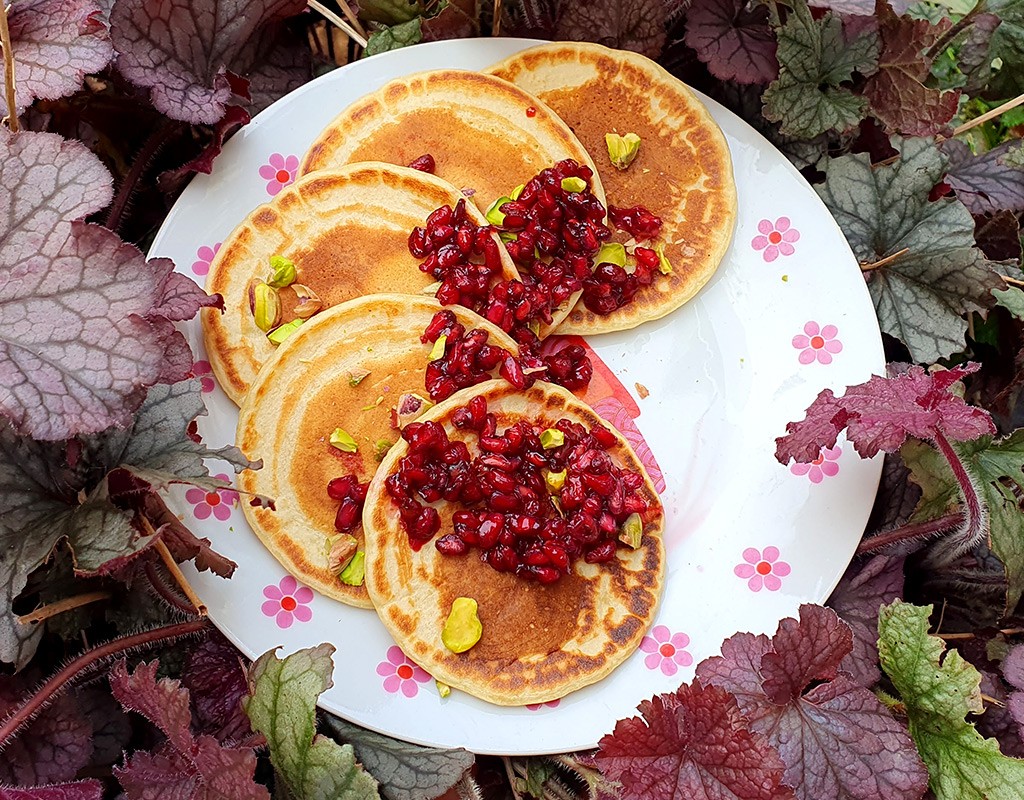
(884, 261)
(67, 604)
(496, 22)
(333, 18)
(351, 16)
(175, 570)
(992, 114)
(5, 42)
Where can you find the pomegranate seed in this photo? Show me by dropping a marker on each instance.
(425, 163)
(602, 553)
(451, 545)
(545, 574)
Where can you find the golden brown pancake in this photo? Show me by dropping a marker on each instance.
(304, 393)
(683, 172)
(479, 130)
(347, 231)
(539, 642)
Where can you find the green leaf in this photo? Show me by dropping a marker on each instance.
(938, 693)
(1014, 157)
(282, 706)
(405, 771)
(1012, 299)
(992, 465)
(815, 58)
(390, 12)
(395, 37)
(921, 295)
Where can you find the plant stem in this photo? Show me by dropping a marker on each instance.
(39, 699)
(916, 530)
(68, 603)
(338, 22)
(991, 114)
(943, 41)
(5, 42)
(157, 139)
(949, 637)
(973, 529)
(175, 570)
(496, 21)
(884, 261)
(167, 594)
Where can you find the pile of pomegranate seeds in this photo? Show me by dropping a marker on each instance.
(352, 495)
(637, 221)
(529, 509)
(468, 359)
(611, 287)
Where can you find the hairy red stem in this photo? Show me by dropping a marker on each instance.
(157, 139)
(906, 533)
(39, 699)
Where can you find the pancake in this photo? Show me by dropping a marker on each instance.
(539, 642)
(304, 393)
(683, 172)
(478, 129)
(346, 230)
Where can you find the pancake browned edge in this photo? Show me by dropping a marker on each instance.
(475, 127)
(304, 392)
(539, 642)
(683, 172)
(347, 231)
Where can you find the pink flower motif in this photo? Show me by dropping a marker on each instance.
(817, 343)
(824, 466)
(548, 704)
(288, 602)
(279, 171)
(666, 650)
(775, 239)
(400, 674)
(762, 569)
(204, 257)
(219, 502)
(203, 371)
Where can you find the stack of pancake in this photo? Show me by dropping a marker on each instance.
(345, 225)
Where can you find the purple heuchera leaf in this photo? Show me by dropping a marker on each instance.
(1013, 671)
(186, 765)
(90, 789)
(55, 44)
(185, 65)
(985, 183)
(54, 746)
(87, 321)
(881, 413)
(637, 25)
(864, 588)
(733, 40)
(693, 744)
(215, 677)
(835, 738)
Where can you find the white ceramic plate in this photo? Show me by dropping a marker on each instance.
(748, 539)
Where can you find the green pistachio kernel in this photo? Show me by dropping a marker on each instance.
(574, 184)
(663, 263)
(437, 351)
(611, 253)
(551, 438)
(431, 288)
(279, 334)
(266, 306)
(494, 214)
(632, 531)
(517, 191)
(554, 480)
(340, 551)
(357, 376)
(443, 689)
(381, 447)
(534, 326)
(284, 272)
(622, 149)
(343, 441)
(463, 628)
(508, 236)
(353, 574)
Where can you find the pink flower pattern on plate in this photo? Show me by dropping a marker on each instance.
(548, 704)
(666, 650)
(762, 569)
(824, 466)
(817, 343)
(775, 239)
(204, 257)
(203, 371)
(219, 502)
(278, 172)
(400, 674)
(287, 602)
